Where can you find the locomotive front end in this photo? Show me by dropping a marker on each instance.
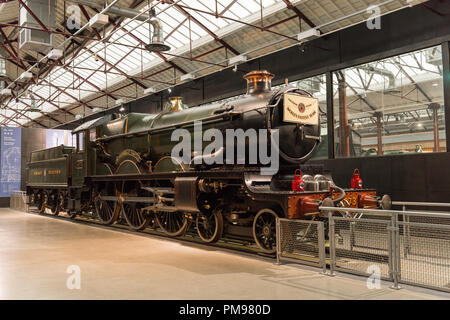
(293, 112)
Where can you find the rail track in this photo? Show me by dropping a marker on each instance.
(241, 246)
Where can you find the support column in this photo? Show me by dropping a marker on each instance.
(446, 82)
(379, 116)
(435, 107)
(330, 115)
(343, 118)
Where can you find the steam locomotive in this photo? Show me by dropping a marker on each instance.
(124, 168)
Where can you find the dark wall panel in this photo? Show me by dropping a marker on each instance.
(416, 177)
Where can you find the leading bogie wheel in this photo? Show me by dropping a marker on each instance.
(264, 230)
(210, 226)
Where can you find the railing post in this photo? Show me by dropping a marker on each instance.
(397, 249)
(352, 235)
(405, 241)
(394, 252)
(321, 244)
(407, 233)
(331, 238)
(390, 250)
(278, 243)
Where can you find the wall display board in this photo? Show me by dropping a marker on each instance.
(10, 160)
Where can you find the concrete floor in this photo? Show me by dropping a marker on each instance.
(35, 252)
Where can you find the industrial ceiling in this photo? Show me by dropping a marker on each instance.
(111, 64)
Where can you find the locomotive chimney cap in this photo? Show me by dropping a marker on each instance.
(258, 81)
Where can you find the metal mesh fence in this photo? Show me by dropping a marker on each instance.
(424, 253)
(301, 241)
(362, 246)
(409, 247)
(18, 201)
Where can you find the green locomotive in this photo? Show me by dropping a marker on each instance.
(124, 167)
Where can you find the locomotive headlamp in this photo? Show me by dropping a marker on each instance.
(356, 182)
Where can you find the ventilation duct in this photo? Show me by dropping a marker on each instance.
(392, 88)
(33, 39)
(434, 57)
(156, 37)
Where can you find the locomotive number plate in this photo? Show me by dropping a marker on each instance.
(300, 109)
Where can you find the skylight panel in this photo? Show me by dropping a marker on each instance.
(251, 5)
(197, 4)
(181, 36)
(173, 13)
(197, 30)
(267, 3)
(175, 41)
(205, 19)
(240, 11)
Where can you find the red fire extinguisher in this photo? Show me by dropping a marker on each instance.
(298, 184)
(356, 182)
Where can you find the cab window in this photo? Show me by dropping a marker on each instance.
(80, 142)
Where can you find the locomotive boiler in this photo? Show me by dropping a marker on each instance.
(124, 168)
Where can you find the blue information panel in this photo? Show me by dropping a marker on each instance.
(10, 148)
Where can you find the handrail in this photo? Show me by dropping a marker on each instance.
(424, 204)
(380, 211)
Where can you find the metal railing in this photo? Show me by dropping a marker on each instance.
(411, 247)
(18, 201)
(301, 241)
(424, 246)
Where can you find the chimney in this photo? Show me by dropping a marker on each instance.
(258, 81)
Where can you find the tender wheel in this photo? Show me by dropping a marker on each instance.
(172, 223)
(57, 204)
(210, 227)
(264, 230)
(33, 198)
(135, 216)
(107, 210)
(72, 214)
(42, 202)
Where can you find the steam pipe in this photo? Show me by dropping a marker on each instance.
(341, 197)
